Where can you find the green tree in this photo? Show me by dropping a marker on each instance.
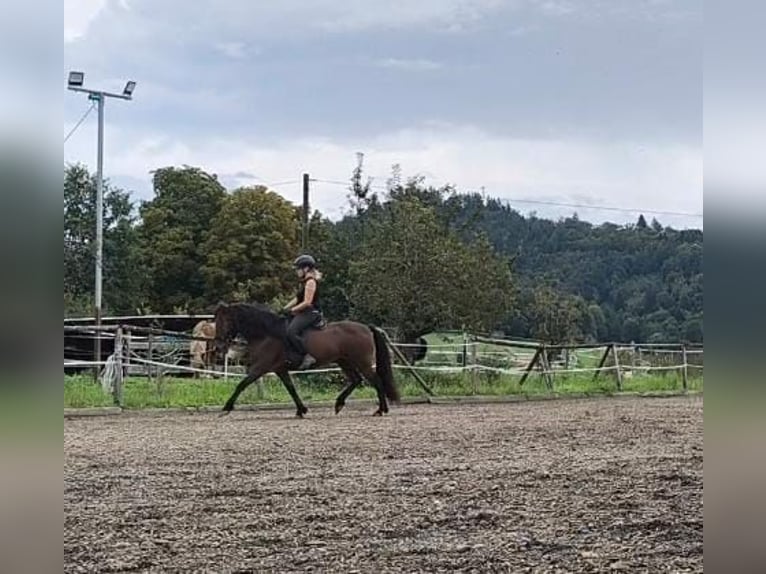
(333, 245)
(596, 326)
(555, 316)
(692, 330)
(174, 228)
(249, 250)
(123, 287)
(414, 274)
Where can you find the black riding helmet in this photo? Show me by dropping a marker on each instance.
(305, 261)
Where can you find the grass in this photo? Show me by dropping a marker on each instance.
(139, 393)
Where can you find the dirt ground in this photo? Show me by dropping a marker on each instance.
(556, 486)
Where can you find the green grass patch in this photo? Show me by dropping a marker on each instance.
(139, 392)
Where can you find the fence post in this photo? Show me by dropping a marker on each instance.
(474, 365)
(601, 363)
(530, 366)
(633, 358)
(128, 341)
(406, 363)
(118, 351)
(547, 374)
(685, 367)
(150, 353)
(617, 367)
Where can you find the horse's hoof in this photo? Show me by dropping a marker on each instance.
(224, 413)
(377, 413)
(299, 415)
(339, 407)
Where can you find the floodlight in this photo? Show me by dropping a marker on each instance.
(129, 87)
(76, 79)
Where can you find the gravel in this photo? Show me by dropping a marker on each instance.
(608, 485)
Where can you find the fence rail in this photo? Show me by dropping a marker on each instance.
(135, 350)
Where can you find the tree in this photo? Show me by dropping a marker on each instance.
(556, 317)
(414, 274)
(123, 287)
(252, 242)
(174, 227)
(692, 330)
(360, 197)
(597, 329)
(333, 245)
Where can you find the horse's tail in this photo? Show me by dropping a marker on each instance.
(383, 365)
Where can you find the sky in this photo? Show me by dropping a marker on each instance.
(581, 102)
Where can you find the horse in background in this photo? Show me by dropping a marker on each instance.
(417, 352)
(203, 353)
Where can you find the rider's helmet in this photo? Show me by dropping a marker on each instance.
(305, 261)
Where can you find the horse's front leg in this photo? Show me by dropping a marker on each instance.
(287, 381)
(252, 376)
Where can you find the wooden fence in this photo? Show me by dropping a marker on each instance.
(134, 350)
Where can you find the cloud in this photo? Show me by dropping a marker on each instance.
(449, 15)
(412, 65)
(558, 7)
(233, 50)
(78, 15)
(538, 102)
(665, 178)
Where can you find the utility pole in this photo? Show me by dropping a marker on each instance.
(75, 83)
(305, 230)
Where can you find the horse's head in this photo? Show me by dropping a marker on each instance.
(225, 328)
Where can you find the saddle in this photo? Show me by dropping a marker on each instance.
(319, 324)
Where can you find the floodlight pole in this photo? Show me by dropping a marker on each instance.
(100, 98)
(99, 226)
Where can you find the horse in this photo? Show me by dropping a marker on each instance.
(203, 353)
(359, 350)
(416, 352)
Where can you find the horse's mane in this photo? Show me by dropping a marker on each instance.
(255, 320)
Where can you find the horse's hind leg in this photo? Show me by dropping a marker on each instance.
(287, 381)
(370, 374)
(353, 380)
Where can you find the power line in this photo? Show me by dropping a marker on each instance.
(604, 207)
(346, 183)
(557, 203)
(81, 120)
(331, 181)
(288, 182)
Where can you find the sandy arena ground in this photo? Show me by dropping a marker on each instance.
(556, 486)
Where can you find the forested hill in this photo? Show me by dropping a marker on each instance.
(416, 259)
(646, 280)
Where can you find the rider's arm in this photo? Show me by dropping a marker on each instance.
(308, 297)
(291, 304)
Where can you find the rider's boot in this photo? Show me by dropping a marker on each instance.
(308, 361)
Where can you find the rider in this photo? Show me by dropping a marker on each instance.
(305, 309)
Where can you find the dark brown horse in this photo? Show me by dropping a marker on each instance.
(359, 350)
